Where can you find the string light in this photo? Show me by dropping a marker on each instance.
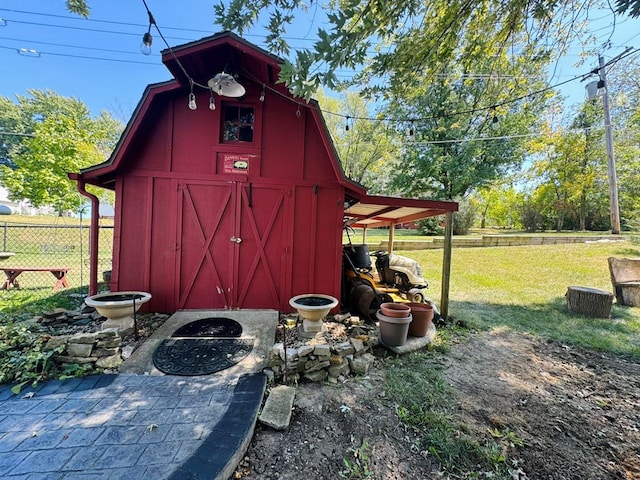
(494, 117)
(530, 96)
(411, 134)
(212, 101)
(192, 97)
(147, 38)
(346, 125)
(29, 52)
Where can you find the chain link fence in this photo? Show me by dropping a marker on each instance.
(49, 248)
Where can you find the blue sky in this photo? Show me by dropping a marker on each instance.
(72, 52)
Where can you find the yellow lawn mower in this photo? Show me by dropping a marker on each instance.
(396, 278)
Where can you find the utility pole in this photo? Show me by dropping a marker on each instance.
(611, 162)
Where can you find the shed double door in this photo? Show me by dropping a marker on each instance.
(233, 245)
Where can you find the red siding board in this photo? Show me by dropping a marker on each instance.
(133, 231)
(193, 136)
(162, 245)
(151, 150)
(283, 139)
(317, 164)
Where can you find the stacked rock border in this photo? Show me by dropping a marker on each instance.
(320, 359)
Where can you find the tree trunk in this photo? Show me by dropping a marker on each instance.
(583, 211)
(589, 302)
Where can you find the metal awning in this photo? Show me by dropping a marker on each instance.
(373, 211)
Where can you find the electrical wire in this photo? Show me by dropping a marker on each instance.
(128, 24)
(387, 119)
(49, 44)
(86, 29)
(83, 57)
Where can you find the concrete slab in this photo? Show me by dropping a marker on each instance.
(413, 343)
(277, 409)
(259, 325)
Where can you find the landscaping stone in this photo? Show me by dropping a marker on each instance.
(358, 345)
(331, 355)
(322, 350)
(109, 362)
(55, 342)
(317, 376)
(305, 350)
(277, 409)
(82, 339)
(69, 359)
(79, 349)
(344, 348)
(361, 365)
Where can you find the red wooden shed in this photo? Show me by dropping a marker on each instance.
(237, 206)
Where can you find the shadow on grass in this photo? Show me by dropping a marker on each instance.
(619, 335)
(28, 302)
(628, 252)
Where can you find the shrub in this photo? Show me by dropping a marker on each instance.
(430, 226)
(531, 217)
(464, 218)
(21, 356)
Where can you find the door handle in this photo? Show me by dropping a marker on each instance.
(236, 239)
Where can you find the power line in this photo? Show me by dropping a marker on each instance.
(86, 29)
(489, 107)
(128, 24)
(39, 54)
(49, 44)
(470, 111)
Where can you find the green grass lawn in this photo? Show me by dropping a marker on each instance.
(523, 288)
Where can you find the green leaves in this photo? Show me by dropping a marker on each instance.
(60, 137)
(22, 359)
(405, 40)
(79, 7)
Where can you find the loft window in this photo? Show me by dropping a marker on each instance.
(238, 124)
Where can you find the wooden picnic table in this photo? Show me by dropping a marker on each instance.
(12, 274)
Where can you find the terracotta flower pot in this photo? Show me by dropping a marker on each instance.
(422, 314)
(396, 310)
(393, 330)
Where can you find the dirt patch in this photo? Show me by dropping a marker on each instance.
(330, 423)
(576, 412)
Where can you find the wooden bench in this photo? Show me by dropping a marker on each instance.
(625, 278)
(12, 274)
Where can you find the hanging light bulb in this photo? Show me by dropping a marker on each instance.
(192, 97)
(212, 102)
(346, 126)
(262, 94)
(145, 45)
(494, 118)
(147, 38)
(411, 134)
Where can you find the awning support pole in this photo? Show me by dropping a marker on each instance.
(446, 265)
(392, 229)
